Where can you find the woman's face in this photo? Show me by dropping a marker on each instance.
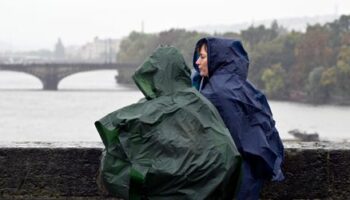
(202, 61)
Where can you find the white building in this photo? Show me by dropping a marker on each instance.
(100, 50)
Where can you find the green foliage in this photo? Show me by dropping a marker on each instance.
(256, 35)
(317, 92)
(182, 40)
(273, 78)
(230, 35)
(329, 77)
(343, 73)
(312, 50)
(137, 47)
(263, 56)
(316, 62)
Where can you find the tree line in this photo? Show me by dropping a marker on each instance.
(311, 66)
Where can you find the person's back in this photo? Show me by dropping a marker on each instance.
(243, 108)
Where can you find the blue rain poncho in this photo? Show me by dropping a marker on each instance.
(244, 110)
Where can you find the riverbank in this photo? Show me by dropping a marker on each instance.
(305, 99)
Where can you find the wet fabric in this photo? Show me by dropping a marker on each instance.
(171, 145)
(244, 109)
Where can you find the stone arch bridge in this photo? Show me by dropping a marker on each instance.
(51, 74)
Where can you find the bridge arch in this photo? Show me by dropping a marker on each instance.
(91, 79)
(51, 74)
(11, 79)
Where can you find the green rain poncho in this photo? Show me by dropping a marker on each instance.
(172, 144)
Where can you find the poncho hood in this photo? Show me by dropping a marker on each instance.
(226, 53)
(163, 73)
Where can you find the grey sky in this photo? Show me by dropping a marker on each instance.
(33, 24)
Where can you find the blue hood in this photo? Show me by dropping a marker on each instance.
(226, 53)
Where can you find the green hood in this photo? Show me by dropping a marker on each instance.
(163, 73)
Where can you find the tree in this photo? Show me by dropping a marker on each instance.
(136, 47)
(273, 78)
(343, 72)
(311, 51)
(255, 35)
(183, 40)
(263, 56)
(316, 92)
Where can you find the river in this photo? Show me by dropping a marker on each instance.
(29, 114)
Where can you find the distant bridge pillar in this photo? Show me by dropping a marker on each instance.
(50, 82)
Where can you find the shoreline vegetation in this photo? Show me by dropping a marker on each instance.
(310, 67)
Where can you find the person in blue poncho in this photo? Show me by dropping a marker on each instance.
(221, 69)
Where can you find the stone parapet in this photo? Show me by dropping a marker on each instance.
(38, 170)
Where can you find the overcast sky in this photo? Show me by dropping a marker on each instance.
(34, 24)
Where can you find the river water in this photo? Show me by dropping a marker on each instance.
(29, 114)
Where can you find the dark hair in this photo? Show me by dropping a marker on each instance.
(201, 44)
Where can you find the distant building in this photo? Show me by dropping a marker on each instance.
(100, 50)
(97, 51)
(59, 53)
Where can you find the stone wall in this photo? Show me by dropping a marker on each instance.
(69, 171)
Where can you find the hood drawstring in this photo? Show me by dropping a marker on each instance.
(201, 84)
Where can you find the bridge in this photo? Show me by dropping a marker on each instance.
(50, 74)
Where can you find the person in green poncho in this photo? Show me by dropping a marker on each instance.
(171, 145)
